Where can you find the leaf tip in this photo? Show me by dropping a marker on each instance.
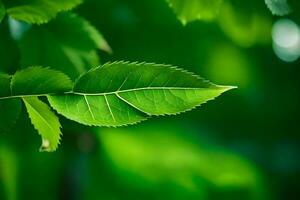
(226, 88)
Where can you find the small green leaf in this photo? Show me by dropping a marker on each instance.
(190, 10)
(278, 7)
(39, 81)
(45, 122)
(9, 112)
(38, 11)
(69, 43)
(2, 11)
(123, 93)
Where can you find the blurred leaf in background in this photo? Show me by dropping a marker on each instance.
(245, 24)
(8, 173)
(69, 43)
(38, 12)
(175, 164)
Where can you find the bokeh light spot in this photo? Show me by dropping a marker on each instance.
(286, 40)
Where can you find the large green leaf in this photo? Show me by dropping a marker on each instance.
(38, 11)
(278, 7)
(9, 112)
(2, 11)
(45, 122)
(68, 43)
(190, 10)
(124, 93)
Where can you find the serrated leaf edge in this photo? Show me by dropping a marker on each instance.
(42, 149)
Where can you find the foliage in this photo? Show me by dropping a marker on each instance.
(71, 71)
(114, 94)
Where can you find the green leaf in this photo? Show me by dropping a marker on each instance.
(2, 11)
(68, 43)
(278, 7)
(123, 93)
(45, 122)
(9, 112)
(190, 10)
(38, 11)
(39, 81)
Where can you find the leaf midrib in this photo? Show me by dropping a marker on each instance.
(108, 93)
(141, 89)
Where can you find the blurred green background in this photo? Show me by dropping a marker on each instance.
(244, 145)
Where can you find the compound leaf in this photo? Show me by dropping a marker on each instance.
(123, 93)
(69, 43)
(38, 11)
(190, 10)
(45, 122)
